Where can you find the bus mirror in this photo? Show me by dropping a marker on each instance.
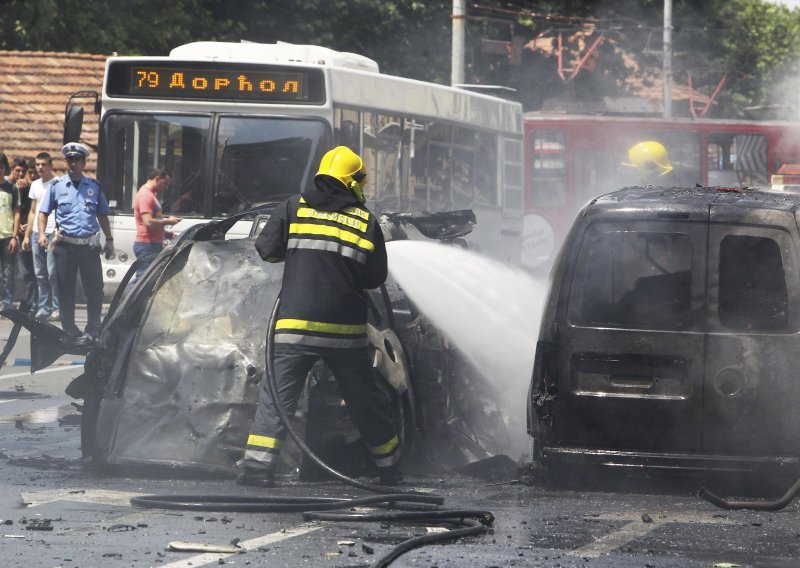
(73, 123)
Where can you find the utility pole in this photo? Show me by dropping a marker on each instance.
(667, 72)
(459, 25)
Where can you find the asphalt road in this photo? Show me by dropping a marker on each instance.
(92, 523)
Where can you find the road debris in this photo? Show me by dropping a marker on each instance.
(39, 525)
(180, 546)
(121, 528)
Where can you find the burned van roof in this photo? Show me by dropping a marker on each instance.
(694, 198)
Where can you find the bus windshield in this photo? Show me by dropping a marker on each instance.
(221, 165)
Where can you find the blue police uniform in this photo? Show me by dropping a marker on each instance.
(76, 208)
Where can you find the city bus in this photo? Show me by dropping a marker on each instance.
(571, 159)
(245, 124)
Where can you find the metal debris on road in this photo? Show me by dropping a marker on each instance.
(180, 546)
(39, 525)
(121, 528)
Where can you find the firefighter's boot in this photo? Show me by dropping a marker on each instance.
(261, 477)
(390, 475)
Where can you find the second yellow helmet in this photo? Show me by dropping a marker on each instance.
(650, 157)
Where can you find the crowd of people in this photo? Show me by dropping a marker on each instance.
(23, 186)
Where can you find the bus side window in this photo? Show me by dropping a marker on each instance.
(486, 169)
(381, 154)
(345, 126)
(418, 165)
(548, 168)
(349, 134)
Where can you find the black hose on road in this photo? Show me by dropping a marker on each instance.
(752, 504)
(416, 506)
(274, 504)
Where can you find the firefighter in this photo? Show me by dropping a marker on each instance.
(334, 250)
(651, 159)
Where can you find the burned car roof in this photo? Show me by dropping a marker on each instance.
(697, 198)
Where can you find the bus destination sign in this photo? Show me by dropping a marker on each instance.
(215, 82)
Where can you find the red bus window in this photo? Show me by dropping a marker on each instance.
(548, 168)
(737, 159)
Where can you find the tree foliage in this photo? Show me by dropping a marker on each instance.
(755, 42)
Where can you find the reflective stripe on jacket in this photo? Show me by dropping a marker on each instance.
(331, 257)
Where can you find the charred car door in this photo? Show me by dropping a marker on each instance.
(633, 380)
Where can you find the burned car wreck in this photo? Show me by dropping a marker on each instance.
(173, 380)
(669, 339)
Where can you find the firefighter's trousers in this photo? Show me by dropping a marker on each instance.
(366, 402)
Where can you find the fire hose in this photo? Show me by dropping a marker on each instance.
(752, 504)
(413, 506)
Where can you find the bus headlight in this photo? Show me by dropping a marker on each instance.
(123, 257)
(111, 273)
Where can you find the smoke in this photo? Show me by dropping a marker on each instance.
(489, 311)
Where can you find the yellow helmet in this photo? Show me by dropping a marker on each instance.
(650, 157)
(343, 164)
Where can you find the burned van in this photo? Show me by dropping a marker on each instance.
(671, 335)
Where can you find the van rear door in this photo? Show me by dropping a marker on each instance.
(752, 388)
(633, 378)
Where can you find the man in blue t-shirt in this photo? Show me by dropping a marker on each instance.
(81, 211)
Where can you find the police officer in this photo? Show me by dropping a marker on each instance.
(334, 249)
(81, 210)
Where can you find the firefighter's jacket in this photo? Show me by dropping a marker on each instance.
(334, 250)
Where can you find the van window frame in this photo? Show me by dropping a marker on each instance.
(717, 233)
(695, 232)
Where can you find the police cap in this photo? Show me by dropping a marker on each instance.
(75, 149)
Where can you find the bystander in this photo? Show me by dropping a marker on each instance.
(19, 175)
(44, 260)
(150, 221)
(9, 226)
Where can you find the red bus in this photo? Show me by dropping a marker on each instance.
(571, 159)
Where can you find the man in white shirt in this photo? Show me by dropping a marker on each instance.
(44, 262)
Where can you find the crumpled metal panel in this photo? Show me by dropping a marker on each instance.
(173, 381)
(189, 391)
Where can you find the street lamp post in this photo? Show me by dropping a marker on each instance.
(667, 72)
(459, 25)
